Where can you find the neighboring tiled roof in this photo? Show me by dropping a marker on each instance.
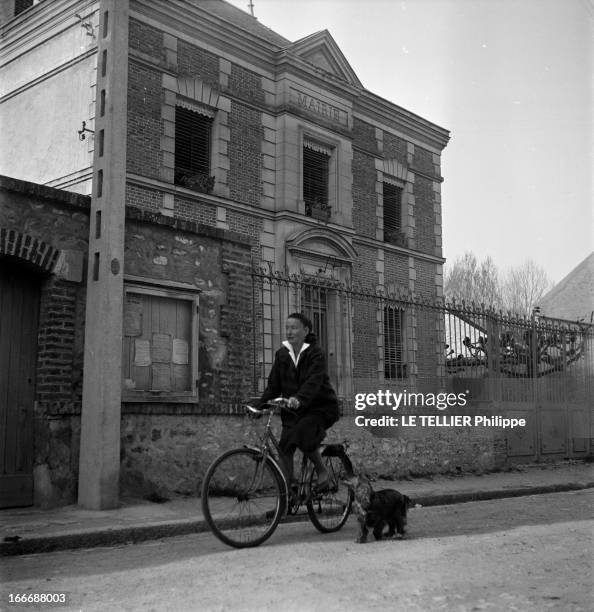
(241, 19)
(573, 297)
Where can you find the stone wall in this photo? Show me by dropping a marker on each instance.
(168, 455)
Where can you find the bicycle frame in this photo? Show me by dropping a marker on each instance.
(270, 449)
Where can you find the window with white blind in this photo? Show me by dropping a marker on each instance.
(193, 141)
(316, 170)
(392, 199)
(394, 355)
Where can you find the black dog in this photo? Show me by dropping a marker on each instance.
(375, 509)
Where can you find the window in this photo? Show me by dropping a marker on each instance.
(160, 355)
(314, 304)
(193, 136)
(394, 367)
(392, 196)
(316, 167)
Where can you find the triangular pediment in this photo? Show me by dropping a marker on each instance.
(321, 50)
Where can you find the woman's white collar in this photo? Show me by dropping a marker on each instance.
(295, 359)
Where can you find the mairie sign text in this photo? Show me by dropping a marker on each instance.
(314, 105)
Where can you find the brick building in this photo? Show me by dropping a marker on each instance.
(211, 145)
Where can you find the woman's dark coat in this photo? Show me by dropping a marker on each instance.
(308, 382)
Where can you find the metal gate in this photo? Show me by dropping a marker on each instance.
(534, 368)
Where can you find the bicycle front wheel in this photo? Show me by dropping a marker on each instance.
(329, 511)
(243, 497)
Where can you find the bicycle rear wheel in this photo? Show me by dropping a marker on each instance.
(329, 511)
(243, 497)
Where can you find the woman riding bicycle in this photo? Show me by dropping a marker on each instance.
(299, 373)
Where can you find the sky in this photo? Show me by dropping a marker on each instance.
(512, 82)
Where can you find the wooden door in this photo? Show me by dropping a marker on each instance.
(19, 314)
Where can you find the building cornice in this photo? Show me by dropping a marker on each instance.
(385, 114)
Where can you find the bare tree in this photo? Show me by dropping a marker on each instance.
(518, 290)
(469, 280)
(523, 286)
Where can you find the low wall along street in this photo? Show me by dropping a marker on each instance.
(167, 455)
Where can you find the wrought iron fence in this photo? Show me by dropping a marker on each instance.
(523, 358)
(376, 340)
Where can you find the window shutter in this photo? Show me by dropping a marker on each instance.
(392, 207)
(192, 145)
(315, 177)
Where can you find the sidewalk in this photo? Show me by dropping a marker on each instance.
(32, 530)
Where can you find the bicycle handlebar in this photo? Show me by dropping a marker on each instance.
(275, 405)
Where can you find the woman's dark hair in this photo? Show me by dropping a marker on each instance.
(310, 338)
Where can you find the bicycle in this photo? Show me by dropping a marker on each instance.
(245, 492)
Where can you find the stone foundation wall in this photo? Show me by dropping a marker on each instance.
(419, 451)
(168, 455)
(57, 440)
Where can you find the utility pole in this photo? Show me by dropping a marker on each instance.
(98, 481)
(251, 7)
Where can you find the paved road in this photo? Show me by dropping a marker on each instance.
(529, 553)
